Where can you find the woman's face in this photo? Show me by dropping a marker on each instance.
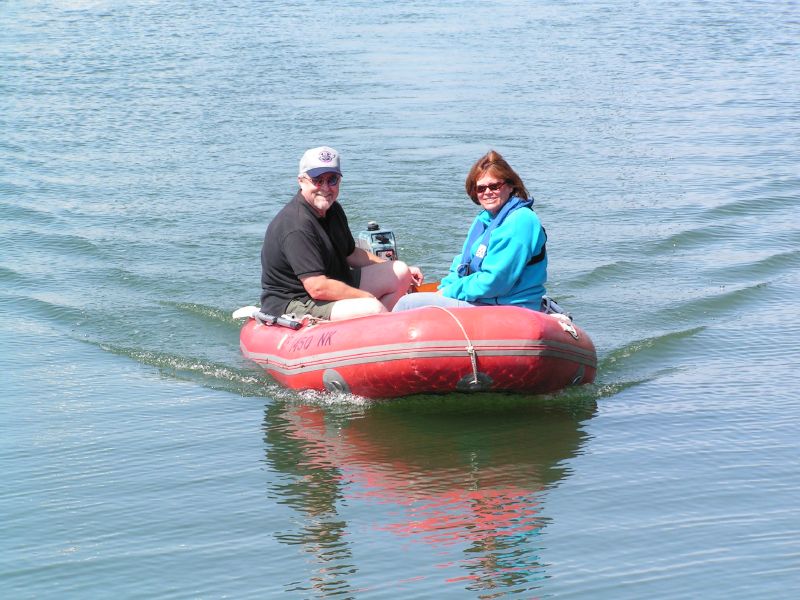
(493, 192)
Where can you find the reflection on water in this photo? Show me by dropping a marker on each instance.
(461, 476)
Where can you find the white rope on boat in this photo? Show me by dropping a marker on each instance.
(470, 348)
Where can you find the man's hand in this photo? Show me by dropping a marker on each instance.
(416, 275)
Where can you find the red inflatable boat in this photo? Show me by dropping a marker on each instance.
(426, 350)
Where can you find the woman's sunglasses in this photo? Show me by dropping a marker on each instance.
(480, 189)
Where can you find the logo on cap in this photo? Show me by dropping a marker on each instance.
(326, 156)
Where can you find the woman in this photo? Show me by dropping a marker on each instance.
(503, 260)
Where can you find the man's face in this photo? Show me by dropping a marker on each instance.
(320, 192)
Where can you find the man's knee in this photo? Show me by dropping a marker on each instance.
(401, 271)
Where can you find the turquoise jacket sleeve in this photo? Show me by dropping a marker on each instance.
(452, 275)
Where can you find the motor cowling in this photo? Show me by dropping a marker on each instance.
(379, 241)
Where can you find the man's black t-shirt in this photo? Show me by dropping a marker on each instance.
(298, 243)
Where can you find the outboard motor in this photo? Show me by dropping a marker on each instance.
(378, 241)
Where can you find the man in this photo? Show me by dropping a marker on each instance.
(310, 264)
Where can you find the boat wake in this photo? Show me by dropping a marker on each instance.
(244, 381)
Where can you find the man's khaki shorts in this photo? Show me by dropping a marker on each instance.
(320, 310)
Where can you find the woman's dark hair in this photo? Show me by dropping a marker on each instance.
(496, 165)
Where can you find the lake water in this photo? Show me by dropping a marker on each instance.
(144, 147)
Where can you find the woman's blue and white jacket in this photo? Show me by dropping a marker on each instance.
(514, 267)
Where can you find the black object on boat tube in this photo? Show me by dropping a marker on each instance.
(282, 321)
